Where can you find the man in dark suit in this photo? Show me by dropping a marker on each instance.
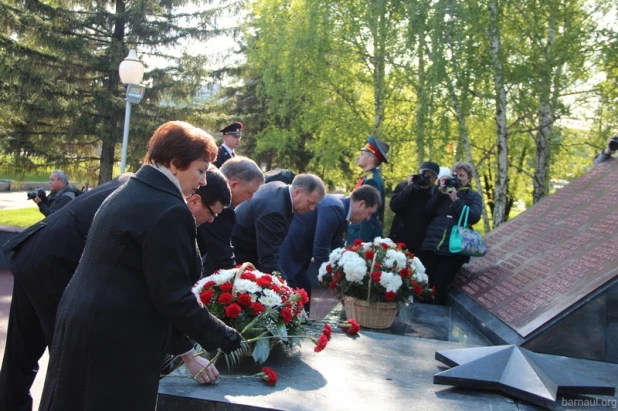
(43, 259)
(316, 233)
(372, 155)
(215, 239)
(231, 140)
(262, 224)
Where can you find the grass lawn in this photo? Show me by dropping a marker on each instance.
(22, 217)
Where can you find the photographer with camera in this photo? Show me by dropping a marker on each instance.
(408, 202)
(61, 194)
(445, 207)
(612, 145)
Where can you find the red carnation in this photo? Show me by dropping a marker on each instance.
(286, 314)
(369, 255)
(418, 289)
(405, 273)
(304, 298)
(332, 285)
(264, 280)
(377, 265)
(433, 290)
(225, 298)
(322, 341)
(209, 284)
(244, 299)
(351, 327)
(327, 331)
(233, 310)
(248, 276)
(385, 246)
(329, 268)
(358, 241)
(375, 276)
(390, 296)
(226, 286)
(206, 296)
(257, 308)
(338, 277)
(275, 288)
(401, 246)
(270, 376)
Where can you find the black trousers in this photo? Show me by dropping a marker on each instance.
(441, 270)
(31, 329)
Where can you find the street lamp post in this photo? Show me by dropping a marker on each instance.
(131, 72)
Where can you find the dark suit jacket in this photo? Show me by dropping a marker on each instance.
(132, 284)
(261, 226)
(368, 230)
(222, 156)
(215, 242)
(315, 234)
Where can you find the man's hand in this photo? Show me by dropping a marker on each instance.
(202, 370)
(36, 199)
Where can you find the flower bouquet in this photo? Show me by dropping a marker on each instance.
(375, 277)
(262, 307)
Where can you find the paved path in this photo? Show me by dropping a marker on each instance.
(15, 200)
(6, 290)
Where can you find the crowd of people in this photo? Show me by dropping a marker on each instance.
(105, 279)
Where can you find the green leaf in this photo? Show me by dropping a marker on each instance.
(261, 350)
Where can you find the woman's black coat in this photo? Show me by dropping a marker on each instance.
(132, 285)
(446, 214)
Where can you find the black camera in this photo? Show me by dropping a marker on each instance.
(421, 180)
(452, 182)
(39, 192)
(613, 144)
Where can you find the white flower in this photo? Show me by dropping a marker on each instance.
(420, 277)
(387, 241)
(395, 258)
(335, 255)
(367, 246)
(418, 265)
(390, 281)
(322, 271)
(246, 286)
(354, 267)
(222, 276)
(270, 298)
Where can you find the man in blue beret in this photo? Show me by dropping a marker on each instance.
(372, 155)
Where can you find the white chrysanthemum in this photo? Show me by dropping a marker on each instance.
(390, 281)
(222, 276)
(270, 298)
(367, 246)
(354, 266)
(246, 286)
(386, 241)
(418, 265)
(420, 277)
(395, 258)
(322, 271)
(335, 255)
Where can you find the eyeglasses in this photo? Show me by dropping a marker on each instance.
(211, 212)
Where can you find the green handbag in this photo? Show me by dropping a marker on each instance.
(465, 241)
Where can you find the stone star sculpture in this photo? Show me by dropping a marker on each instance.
(536, 378)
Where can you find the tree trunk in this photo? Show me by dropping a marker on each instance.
(503, 162)
(379, 63)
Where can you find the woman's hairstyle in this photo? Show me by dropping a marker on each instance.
(216, 188)
(180, 143)
(467, 167)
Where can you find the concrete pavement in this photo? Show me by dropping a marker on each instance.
(14, 200)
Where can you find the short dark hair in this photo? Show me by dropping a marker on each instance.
(216, 188)
(181, 143)
(369, 194)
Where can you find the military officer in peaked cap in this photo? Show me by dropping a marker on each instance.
(374, 153)
(231, 141)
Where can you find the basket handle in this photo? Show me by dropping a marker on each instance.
(239, 272)
(369, 281)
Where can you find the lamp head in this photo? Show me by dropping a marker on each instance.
(131, 69)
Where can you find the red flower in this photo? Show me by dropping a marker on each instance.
(385, 246)
(390, 296)
(322, 341)
(338, 276)
(209, 284)
(327, 331)
(329, 268)
(264, 281)
(352, 327)
(206, 296)
(226, 286)
(369, 255)
(433, 291)
(244, 299)
(401, 246)
(233, 310)
(375, 276)
(225, 298)
(332, 285)
(275, 288)
(377, 265)
(405, 273)
(418, 289)
(248, 276)
(257, 308)
(270, 376)
(286, 314)
(358, 241)
(304, 298)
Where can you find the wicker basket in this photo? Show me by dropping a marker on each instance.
(370, 315)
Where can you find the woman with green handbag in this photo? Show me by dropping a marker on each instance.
(445, 207)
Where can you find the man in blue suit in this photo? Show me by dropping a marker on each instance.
(374, 153)
(318, 232)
